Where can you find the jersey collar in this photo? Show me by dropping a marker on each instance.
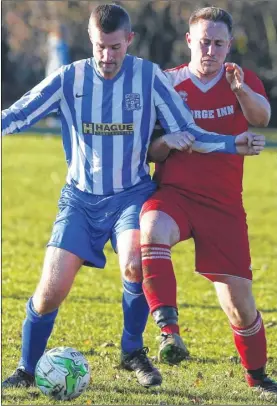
(125, 64)
(205, 87)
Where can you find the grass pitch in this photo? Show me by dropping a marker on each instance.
(90, 319)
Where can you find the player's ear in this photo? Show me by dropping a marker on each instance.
(130, 37)
(188, 39)
(230, 44)
(90, 36)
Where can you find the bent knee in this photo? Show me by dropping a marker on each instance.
(158, 227)
(132, 272)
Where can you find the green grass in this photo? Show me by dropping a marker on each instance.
(90, 318)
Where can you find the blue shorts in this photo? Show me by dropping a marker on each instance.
(85, 222)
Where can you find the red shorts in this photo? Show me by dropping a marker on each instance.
(219, 232)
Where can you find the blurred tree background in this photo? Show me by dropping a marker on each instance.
(160, 27)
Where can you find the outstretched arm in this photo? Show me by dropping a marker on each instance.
(246, 144)
(34, 105)
(249, 143)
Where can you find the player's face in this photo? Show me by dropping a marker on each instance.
(209, 43)
(109, 50)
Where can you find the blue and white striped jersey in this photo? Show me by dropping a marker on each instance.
(107, 124)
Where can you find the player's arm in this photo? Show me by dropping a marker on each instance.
(161, 144)
(175, 117)
(33, 106)
(255, 107)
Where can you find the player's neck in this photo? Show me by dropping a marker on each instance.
(204, 78)
(108, 76)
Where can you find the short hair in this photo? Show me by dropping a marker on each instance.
(109, 18)
(212, 13)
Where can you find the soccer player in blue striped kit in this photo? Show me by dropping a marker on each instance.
(108, 107)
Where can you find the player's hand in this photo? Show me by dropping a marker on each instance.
(249, 143)
(181, 141)
(235, 76)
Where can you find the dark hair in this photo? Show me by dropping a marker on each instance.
(109, 18)
(212, 14)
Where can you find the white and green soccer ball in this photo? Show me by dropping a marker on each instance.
(62, 373)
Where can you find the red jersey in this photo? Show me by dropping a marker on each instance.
(215, 108)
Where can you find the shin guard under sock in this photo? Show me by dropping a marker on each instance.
(36, 331)
(159, 283)
(251, 344)
(135, 311)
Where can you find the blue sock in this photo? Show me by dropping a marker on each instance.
(36, 330)
(135, 312)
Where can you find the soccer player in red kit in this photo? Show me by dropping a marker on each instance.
(200, 197)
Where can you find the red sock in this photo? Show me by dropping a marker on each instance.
(171, 328)
(159, 283)
(251, 344)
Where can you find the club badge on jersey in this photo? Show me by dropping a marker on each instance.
(132, 101)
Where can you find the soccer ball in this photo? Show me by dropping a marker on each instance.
(62, 373)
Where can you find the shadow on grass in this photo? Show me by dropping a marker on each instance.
(214, 307)
(205, 360)
(186, 393)
(132, 389)
(107, 300)
(29, 394)
(98, 299)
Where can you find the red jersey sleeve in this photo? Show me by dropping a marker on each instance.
(252, 80)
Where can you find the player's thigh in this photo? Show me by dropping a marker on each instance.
(59, 270)
(236, 299)
(221, 242)
(164, 218)
(82, 226)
